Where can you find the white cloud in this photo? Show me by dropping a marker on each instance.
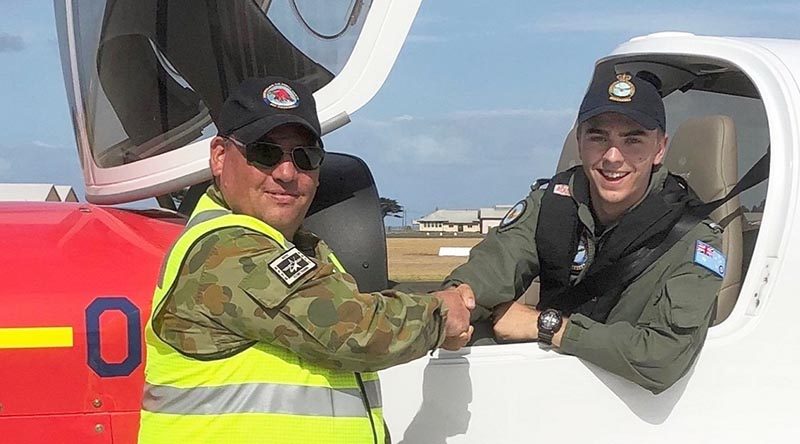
(11, 43)
(512, 112)
(461, 137)
(41, 144)
(645, 22)
(465, 158)
(426, 38)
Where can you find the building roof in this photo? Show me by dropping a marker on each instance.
(451, 216)
(498, 212)
(30, 192)
(66, 193)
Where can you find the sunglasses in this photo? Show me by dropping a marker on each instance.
(267, 155)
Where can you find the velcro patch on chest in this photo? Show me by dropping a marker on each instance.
(291, 266)
(710, 258)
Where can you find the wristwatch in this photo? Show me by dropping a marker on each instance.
(549, 324)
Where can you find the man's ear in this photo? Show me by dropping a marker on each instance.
(662, 150)
(217, 157)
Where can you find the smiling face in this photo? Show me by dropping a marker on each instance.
(618, 156)
(279, 196)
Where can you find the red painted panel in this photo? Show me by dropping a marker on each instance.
(125, 427)
(57, 259)
(114, 336)
(62, 429)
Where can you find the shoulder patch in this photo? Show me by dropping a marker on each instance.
(291, 266)
(514, 214)
(562, 189)
(710, 258)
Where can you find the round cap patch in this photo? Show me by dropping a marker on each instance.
(514, 214)
(622, 90)
(280, 95)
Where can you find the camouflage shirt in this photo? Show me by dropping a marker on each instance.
(226, 299)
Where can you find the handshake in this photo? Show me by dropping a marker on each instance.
(460, 301)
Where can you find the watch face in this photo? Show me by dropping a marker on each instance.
(549, 320)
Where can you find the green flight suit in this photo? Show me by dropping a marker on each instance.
(657, 328)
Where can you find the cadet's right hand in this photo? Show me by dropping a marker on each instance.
(460, 301)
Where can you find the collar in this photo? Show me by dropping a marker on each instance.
(579, 184)
(216, 195)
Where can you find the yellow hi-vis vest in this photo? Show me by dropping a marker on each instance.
(265, 394)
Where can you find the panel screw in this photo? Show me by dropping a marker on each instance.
(97, 403)
(365, 264)
(99, 428)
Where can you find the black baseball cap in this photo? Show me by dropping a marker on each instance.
(259, 105)
(626, 94)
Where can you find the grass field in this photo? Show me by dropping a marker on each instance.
(417, 259)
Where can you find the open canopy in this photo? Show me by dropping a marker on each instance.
(145, 78)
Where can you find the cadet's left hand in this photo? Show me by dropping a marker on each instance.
(514, 321)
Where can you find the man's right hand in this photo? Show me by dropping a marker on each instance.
(454, 343)
(460, 301)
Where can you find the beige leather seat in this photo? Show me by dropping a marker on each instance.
(703, 150)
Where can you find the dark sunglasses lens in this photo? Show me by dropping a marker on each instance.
(264, 154)
(308, 157)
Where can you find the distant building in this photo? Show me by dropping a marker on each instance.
(66, 193)
(36, 192)
(463, 221)
(451, 221)
(491, 217)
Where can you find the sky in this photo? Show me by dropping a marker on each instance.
(476, 108)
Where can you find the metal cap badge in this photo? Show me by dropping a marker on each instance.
(629, 94)
(622, 90)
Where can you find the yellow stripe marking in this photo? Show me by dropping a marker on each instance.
(36, 337)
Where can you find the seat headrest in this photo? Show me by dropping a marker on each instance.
(703, 151)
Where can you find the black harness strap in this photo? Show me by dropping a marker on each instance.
(556, 250)
(607, 284)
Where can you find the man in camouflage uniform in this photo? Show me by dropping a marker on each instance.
(648, 330)
(261, 282)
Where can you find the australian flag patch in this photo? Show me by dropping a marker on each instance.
(291, 266)
(709, 257)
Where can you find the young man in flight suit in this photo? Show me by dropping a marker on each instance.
(649, 329)
(258, 334)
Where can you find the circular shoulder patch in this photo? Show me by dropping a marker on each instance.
(280, 95)
(514, 214)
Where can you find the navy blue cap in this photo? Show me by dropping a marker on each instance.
(626, 94)
(259, 105)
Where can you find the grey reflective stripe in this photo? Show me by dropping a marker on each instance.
(201, 217)
(257, 398)
(373, 389)
(205, 216)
